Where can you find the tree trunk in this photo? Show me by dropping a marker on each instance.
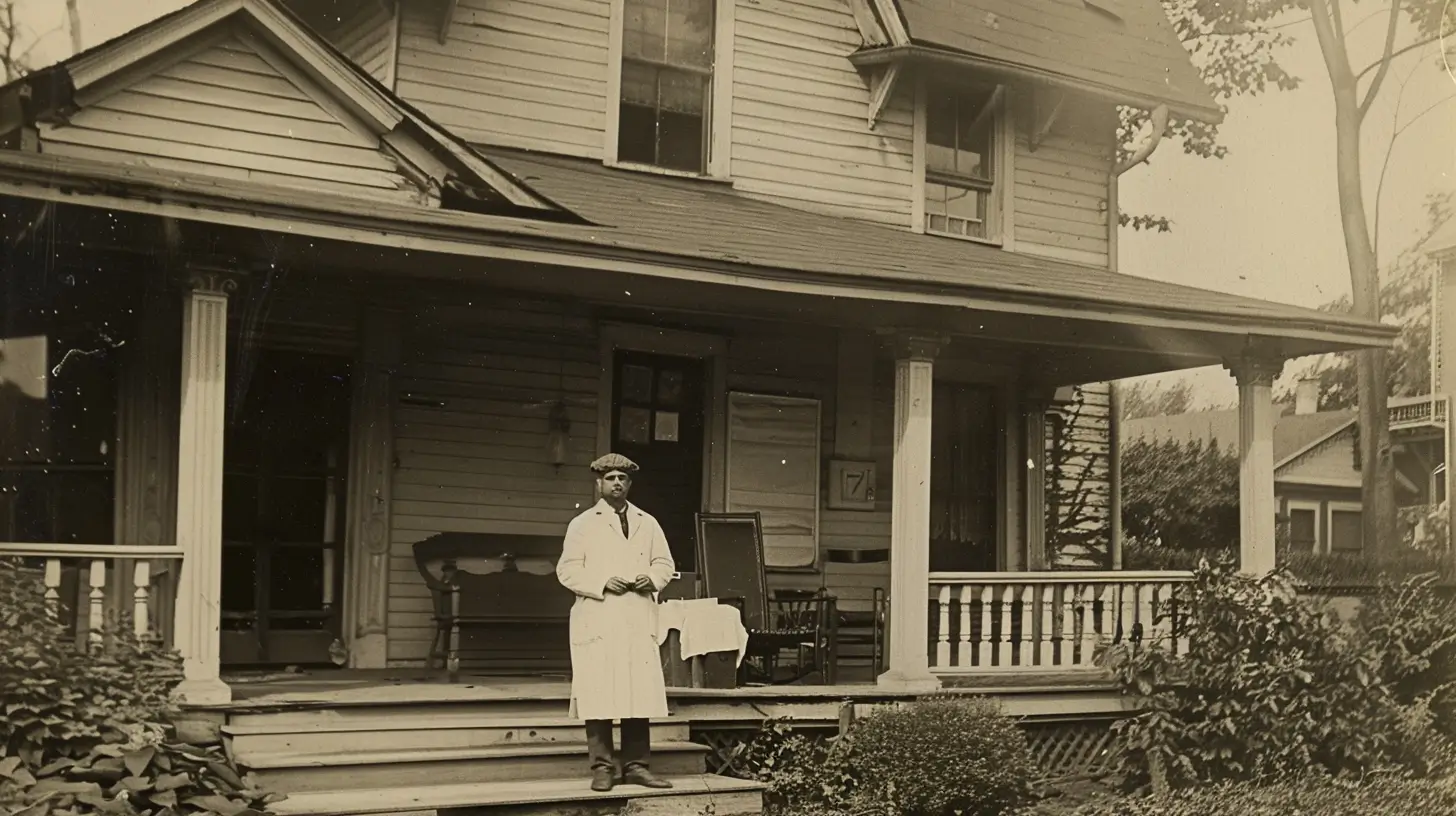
(1377, 475)
(73, 17)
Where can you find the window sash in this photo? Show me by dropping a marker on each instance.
(981, 136)
(681, 83)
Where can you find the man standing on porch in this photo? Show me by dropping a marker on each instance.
(616, 560)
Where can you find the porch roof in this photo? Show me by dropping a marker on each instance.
(683, 229)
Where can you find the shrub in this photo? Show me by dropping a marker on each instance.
(1313, 795)
(937, 757)
(86, 730)
(796, 766)
(1411, 629)
(1271, 686)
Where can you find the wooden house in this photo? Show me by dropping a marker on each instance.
(291, 287)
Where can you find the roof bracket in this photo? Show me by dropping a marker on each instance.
(882, 89)
(1045, 117)
(447, 16)
(1159, 121)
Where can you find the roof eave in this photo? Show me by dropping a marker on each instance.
(945, 57)
(145, 192)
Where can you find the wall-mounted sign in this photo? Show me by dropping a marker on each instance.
(851, 485)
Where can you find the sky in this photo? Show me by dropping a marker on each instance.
(1262, 222)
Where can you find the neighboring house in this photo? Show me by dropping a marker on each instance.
(1317, 463)
(351, 276)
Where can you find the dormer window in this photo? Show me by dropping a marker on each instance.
(665, 114)
(963, 172)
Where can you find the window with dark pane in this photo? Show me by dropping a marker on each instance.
(960, 164)
(1302, 530)
(667, 78)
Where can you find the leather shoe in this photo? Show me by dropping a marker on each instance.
(645, 778)
(603, 779)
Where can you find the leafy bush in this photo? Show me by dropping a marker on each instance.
(1314, 795)
(1363, 570)
(1271, 686)
(1181, 492)
(937, 757)
(795, 765)
(87, 730)
(1411, 629)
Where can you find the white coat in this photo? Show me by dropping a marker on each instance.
(616, 668)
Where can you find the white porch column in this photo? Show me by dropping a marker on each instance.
(371, 472)
(909, 664)
(199, 482)
(1257, 508)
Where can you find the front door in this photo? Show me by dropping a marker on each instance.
(285, 458)
(963, 475)
(657, 422)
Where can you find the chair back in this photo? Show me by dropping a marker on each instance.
(730, 558)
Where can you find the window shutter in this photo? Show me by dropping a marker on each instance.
(773, 468)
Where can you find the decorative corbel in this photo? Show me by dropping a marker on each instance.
(1045, 117)
(447, 16)
(882, 89)
(1160, 126)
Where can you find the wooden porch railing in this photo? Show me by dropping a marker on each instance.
(88, 585)
(1408, 412)
(1043, 621)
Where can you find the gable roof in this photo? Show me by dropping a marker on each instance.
(1126, 51)
(287, 52)
(1294, 434)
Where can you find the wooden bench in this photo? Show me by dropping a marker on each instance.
(497, 603)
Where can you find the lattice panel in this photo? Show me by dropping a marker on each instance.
(1087, 748)
(726, 748)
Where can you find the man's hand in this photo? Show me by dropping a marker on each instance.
(617, 586)
(643, 584)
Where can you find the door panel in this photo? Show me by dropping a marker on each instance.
(963, 479)
(657, 422)
(284, 461)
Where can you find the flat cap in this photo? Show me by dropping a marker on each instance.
(614, 461)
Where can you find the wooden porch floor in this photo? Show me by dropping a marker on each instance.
(1023, 694)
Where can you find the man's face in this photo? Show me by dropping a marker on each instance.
(615, 484)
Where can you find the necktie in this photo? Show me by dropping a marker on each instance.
(622, 517)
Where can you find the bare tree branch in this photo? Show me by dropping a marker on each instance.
(1385, 61)
(1399, 52)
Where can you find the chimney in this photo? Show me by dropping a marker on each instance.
(1306, 396)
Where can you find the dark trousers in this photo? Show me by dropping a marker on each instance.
(636, 744)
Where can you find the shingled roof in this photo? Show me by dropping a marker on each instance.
(1126, 49)
(1293, 433)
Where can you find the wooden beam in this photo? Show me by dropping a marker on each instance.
(870, 29)
(882, 89)
(1045, 116)
(447, 16)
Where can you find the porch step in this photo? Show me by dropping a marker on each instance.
(264, 736)
(353, 769)
(691, 795)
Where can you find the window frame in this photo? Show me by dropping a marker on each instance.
(1331, 508)
(1308, 506)
(720, 97)
(1001, 227)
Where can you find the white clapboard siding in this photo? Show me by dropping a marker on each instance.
(773, 469)
(1061, 189)
(471, 424)
(1081, 486)
(799, 130)
(368, 37)
(529, 74)
(230, 112)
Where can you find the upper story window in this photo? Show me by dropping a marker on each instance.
(665, 115)
(963, 171)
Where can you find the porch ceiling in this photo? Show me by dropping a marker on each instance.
(665, 243)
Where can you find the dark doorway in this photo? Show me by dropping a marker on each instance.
(963, 467)
(285, 459)
(657, 422)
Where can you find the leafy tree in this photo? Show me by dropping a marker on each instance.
(1405, 299)
(1182, 494)
(1150, 398)
(1235, 46)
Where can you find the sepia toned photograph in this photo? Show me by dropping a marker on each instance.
(727, 407)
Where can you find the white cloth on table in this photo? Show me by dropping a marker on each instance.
(705, 625)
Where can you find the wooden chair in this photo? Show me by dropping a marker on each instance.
(800, 620)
